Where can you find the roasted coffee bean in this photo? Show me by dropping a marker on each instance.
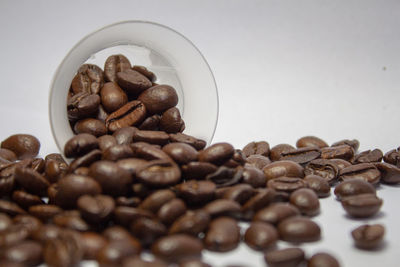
(23, 145)
(283, 168)
(70, 220)
(341, 163)
(114, 252)
(311, 141)
(106, 141)
(90, 126)
(325, 168)
(124, 135)
(197, 170)
(368, 156)
(80, 145)
(238, 159)
(193, 263)
(96, 209)
(52, 192)
(260, 200)
(318, 184)
(345, 152)
(146, 72)
(101, 114)
(368, 236)
(54, 170)
(217, 153)
(117, 152)
(392, 157)
(390, 174)
(113, 179)
(136, 261)
(353, 187)
(223, 235)
(116, 233)
(353, 143)
(46, 232)
(10, 208)
(25, 200)
(44, 212)
(175, 248)
(82, 105)
(7, 183)
(171, 211)
(154, 201)
(239, 193)
(29, 222)
(151, 123)
(112, 97)
(223, 207)
(364, 171)
(181, 153)
(126, 215)
(159, 98)
(322, 260)
(85, 160)
(149, 152)
(301, 155)
(159, 173)
(90, 79)
(151, 137)
(286, 184)
(31, 180)
(225, 176)
(38, 165)
(72, 186)
(113, 65)
(192, 223)
(7, 154)
(5, 221)
(276, 212)
(287, 257)
(133, 82)
(147, 230)
(142, 190)
(196, 192)
(256, 148)
(128, 201)
(362, 205)
(132, 165)
(27, 252)
(14, 234)
(198, 144)
(130, 114)
(92, 243)
(298, 229)
(261, 235)
(276, 151)
(171, 121)
(254, 177)
(306, 200)
(258, 161)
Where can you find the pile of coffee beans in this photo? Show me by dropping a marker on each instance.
(138, 184)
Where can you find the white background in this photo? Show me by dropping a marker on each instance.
(284, 69)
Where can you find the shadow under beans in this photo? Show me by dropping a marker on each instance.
(379, 215)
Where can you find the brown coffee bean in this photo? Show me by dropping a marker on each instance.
(113, 65)
(44, 212)
(10, 208)
(70, 220)
(193, 263)
(362, 205)
(106, 141)
(147, 230)
(72, 186)
(23, 145)
(159, 173)
(322, 260)
(85, 160)
(261, 235)
(171, 211)
(368, 156)
(157, 199)
(353, 143)
(90, 79)
(171, 121)
(113, 179)
(54, 170)
(301, 155)
(345, 152)
(142, 190)
(80, 145)
(132, 165)
(159, 98)
(96, 209)
(126, 215)
(46, 232)
(198, 144)
(151, 123)
(197, 170)
(276, 151)
(368, 236)
(283, 168)
(318, 184)
(31, 181)
(341, 163)
(223, 207)
(7, 154)
(217, 153)
(146, 72)
(149, 152)
(128, 201)
(287, 257)
(114, 252)
(225, 176)
(258, 161)
(25, 200)
(364, 171)
(260, 200)
(177, 247)
(311, 141)
(82, 105)
(390, 174)
(256, 148)
(392, 157)
(254, 177)
(196, 192)
(133, 82)
(276, 212)
(117, 152)
(5, 221)
(112, 97)
(151, 137)
(91, 126)
(124, 135)
(223, 235)
(239, 193)
(298, 229)
(192, 223)
(306, 200)
(181, 153)
(325, 168)
(13, 235)
(27, 252)
(92, 243)
(136, 261)
(130, 114)
(353, 187)
(286, 184)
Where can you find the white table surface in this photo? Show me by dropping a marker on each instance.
(284, 69)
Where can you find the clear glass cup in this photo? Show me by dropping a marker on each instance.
(171, 56)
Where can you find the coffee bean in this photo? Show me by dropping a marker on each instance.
(362, 205)
(390, 174)
(90, 126)
(80, 145)
(31, 180)
(132, 165)
(298, 230)
(368, 156)
(318, 184)
(159, 98)
(124, 135)
(113, 179)
(90, 79)
(177, 247)
(171, 121)
(223, 235)
(311, 141)
(286, 184)
(260, 200)
(126, 215)
(45, 212)
(353, 143)
(151, 123)
(198, 144)
(28, 253)
(70, 220)
(25, 200)
(392, 157)
(287, 257)
(116, 233)
(151, 137)
(181, 153)
(327, 169)
(92, 243)
(256, 148)
(345, 152)
(114, 252)
(197, 170)
(159, 173)
(128, 201)
(154, 201)
(258, 161)
(112, 97)
(133, 82)
(149, 152)
(353, 187)
(82, 105)
(117, 152)
(7, 154)
(276, 212)
(276, 151)
(171, 211)
(130, 114)
(193, 263)
(225, 176)
(306, 200)
(5, 221)
(85, 160)
(148, 230)
(368, 236)
(54, 170)
(217, 153)
(136, 261)
(322, 260)
(260, 236)
(196, 192)
(23, 145)
(142, 190)
(239, 193)
(143, 70)
(254, 177)
(106, 141)
(223, 207)
(364, 171)
(96, 209)
(113, 65)
(10, 208)
(301, 155)
(283, 168)
(192, 223)
(31, 223)
(101, 114)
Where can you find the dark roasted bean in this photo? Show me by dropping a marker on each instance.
(44, 212)
(353, 187)
(133, 82)
(171, 121)
(177, 247)
(151, 137)
(364, 171)
(223, 235)
(345, 152)
(171, 211)
(159, 173)
(362, 205)
(298, 230)
(146, 72)
(106, 141)
(27, 252)
(181, 153)
(223, 207)
(115, 251)
(25, 200)
(392, 157)
(256, 148)
(318, 184)
(239, 193)
(112, 97)
(90, 126)
(124, 135)
(154, 201)
(90, 79)
(254, 177)
(286, 184)
(353, 143)
(287, 257)
(10, 208)
(276, 212)
(148, 230)
(71, 221)
(187, 139)
(126, 215)
(192, 223)
(92, 243)
(390, 174)
(151, 123)
(196, 192)
(368, 156)
(7, 154)
(311, 141)
(261, 235)
(217, 153)
(325, 168)
(283, 168)
(197, 170)
(80, 145)
(276, 151)
(368, 236)
(113, 65)
(96, 209)
(301, 155)
(258, 161)
(260, 200)
(322, 260)
(306, 200)
(31, 181)
(23, 145)
(85, 160)
(159, 98)
(82, 105)
(117, 152)
(130, 114)
(149, 152)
